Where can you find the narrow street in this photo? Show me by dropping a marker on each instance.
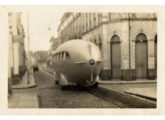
(51, 96)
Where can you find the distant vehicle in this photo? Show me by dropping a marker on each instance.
(35, 68)
(77, 62)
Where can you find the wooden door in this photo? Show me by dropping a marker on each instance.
(141, 57)
(116, 58)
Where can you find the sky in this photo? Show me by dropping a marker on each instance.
(42, 26)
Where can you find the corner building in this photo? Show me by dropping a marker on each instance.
(16, 49)
(128, 41)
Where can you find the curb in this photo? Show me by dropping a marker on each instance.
(25, 86)
(127, 82)
(143, 96)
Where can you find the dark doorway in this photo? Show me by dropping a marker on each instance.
(141, 56)
(115, 57)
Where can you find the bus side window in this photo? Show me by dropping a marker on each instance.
(55, 57)
(64, 55)
(67, 55)
(61, 56)
(58, 56)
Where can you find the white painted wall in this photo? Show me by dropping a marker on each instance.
(16, 58)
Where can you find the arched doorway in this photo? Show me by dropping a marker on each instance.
(115, 57)
(156, 56)
(141, 56)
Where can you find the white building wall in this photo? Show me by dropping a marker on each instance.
(10, 58)
(16, 58)
(10, 41)
(125, 45)
(10, 55)
(14, 23)
(13, 46)
(105, 46)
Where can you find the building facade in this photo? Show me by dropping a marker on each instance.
(16, 49)
(54, 43)
(128, 41)
(41, 56)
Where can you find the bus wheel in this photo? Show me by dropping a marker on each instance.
(64, 87)
(95, 85)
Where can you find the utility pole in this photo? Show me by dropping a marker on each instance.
(28, 80)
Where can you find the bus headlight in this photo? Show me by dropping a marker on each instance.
(91, 61)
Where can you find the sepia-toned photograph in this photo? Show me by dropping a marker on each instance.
(63, 59)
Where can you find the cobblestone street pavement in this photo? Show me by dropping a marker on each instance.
(51, 96)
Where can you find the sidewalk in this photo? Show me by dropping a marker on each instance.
(138, 81)
(24, 98)
(143, 88)
(149, 93)
(25, 83)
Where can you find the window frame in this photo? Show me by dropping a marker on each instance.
(67, 56)
(63, 55)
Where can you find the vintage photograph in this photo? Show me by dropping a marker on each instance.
(64, 59)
